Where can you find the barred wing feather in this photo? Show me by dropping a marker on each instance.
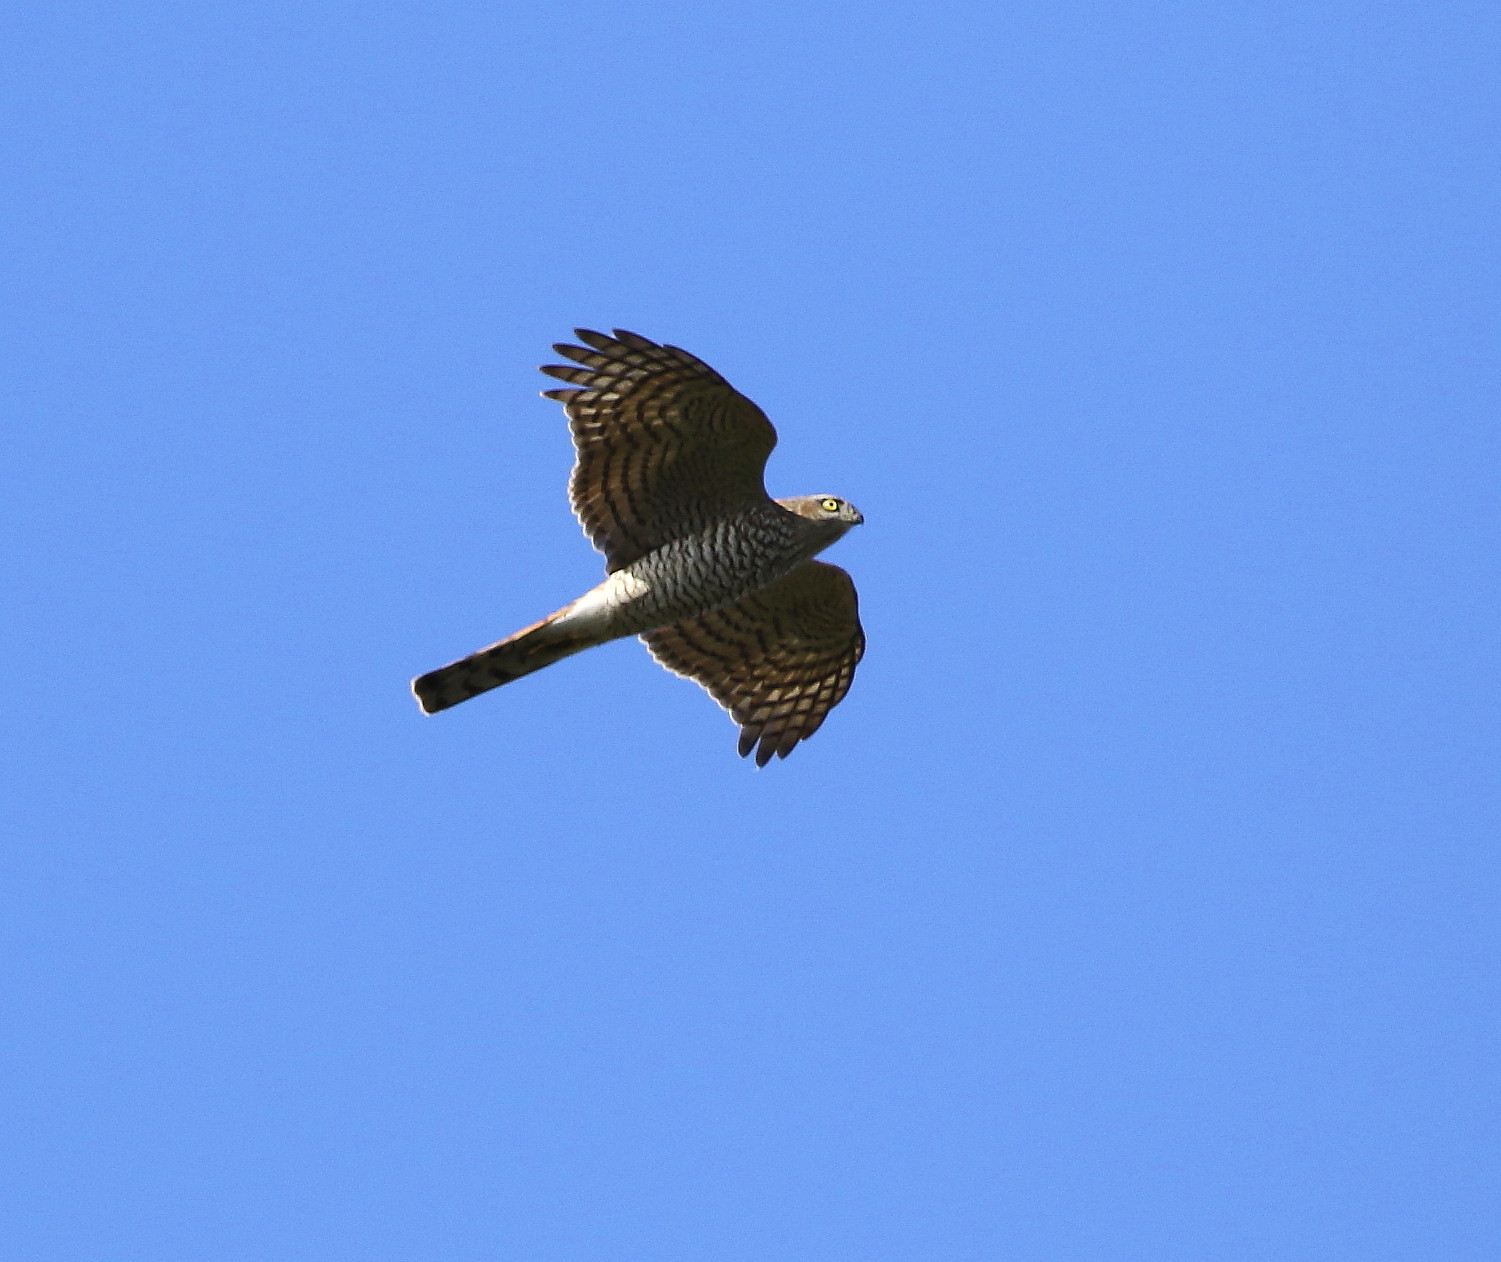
(665, 445)
(778, 660)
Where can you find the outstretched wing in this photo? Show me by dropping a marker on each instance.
(778, 660)
(665, 444)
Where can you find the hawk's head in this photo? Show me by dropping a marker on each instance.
(828, 509)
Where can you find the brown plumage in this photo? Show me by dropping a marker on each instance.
(716, 577)
(664, 443)
(778, 660)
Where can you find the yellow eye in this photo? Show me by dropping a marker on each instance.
(829, 505)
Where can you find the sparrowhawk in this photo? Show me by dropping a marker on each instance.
(717, 578)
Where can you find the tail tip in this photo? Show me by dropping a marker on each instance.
(425, 690)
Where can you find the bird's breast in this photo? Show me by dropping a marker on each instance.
(690, 576)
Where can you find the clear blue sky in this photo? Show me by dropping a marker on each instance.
(1141, 900)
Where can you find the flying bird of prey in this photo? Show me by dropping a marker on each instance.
(716, 577)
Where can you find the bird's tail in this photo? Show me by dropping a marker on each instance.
(530, 649)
